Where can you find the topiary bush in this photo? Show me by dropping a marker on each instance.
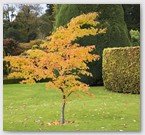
(121, 69)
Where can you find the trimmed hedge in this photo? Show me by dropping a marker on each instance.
(11, 81)
(121, 69)
(18, 80)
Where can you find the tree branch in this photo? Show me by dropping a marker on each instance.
(69, 93)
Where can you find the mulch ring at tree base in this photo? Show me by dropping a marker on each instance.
(57, 122)
(54, 123)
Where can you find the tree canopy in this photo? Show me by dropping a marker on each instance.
(59, 59)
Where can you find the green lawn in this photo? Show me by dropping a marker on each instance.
(27, 106)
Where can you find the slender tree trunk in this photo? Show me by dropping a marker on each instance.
(62, 111)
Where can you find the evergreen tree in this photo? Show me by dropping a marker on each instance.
(111, 16)
(132, 16)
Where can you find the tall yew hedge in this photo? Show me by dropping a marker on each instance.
(111, 16)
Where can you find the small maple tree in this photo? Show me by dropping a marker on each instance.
(60, 59)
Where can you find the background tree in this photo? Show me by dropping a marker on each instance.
(24, 27)
(13, 33)
(8, 16)
(50, 9)
(132, 19)
(60, 59)
(111, 16)
(46, 22)
(27, 20)
(132, 16)
(8, 12)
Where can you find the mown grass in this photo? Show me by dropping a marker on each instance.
(27, 107)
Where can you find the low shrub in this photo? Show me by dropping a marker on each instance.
(32, 44)
(121, 69)
(36, 42)
(10, 47)
(25, 46)
(135, 37)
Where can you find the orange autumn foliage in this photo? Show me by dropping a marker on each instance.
(59, 58)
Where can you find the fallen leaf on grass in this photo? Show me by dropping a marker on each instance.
(73, 114)
(124, 125)
(39, 122)
(95, 110)
(53, 123)
(134, 120)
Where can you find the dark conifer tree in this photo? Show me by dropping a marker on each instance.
(111, 16)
